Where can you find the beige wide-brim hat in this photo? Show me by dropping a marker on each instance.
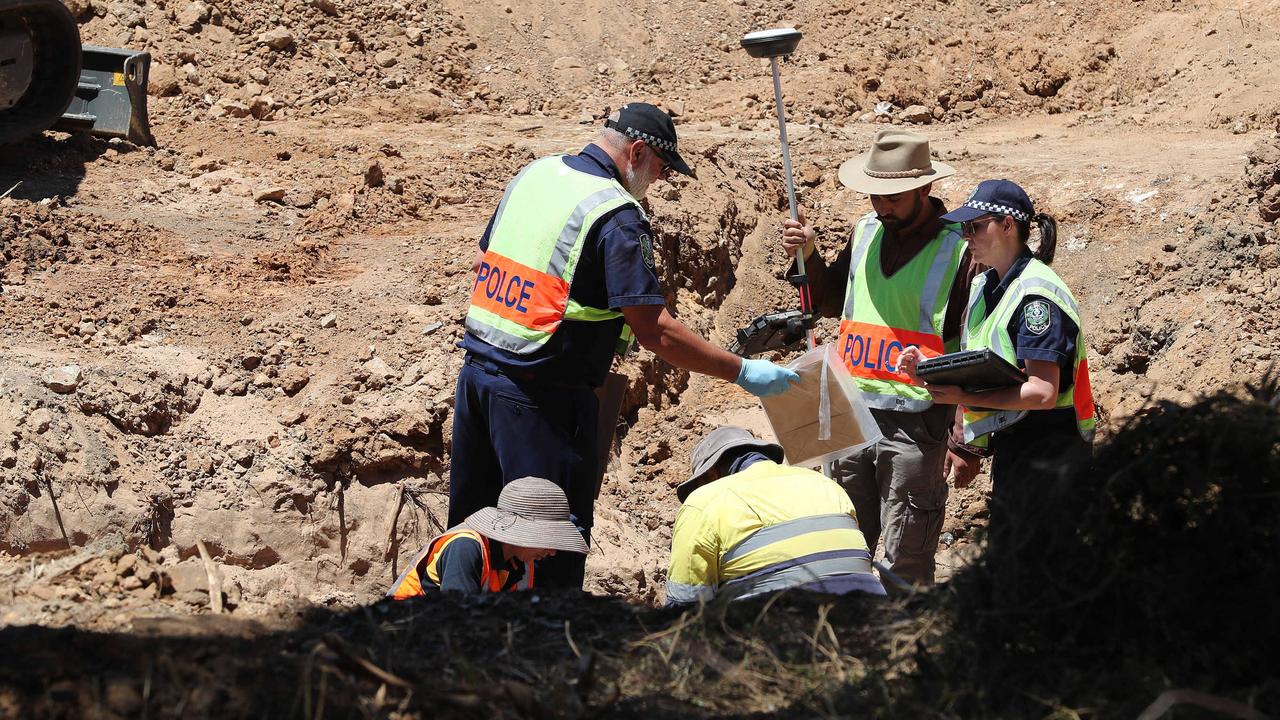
(532, 513)
(897, 162)
(707, 453)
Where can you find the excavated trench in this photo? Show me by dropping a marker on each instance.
(313, 501)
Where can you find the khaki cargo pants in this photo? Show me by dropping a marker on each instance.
(897, 488)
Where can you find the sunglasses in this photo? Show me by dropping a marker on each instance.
(973, 226)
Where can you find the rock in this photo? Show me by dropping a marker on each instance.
(62, 380)
(192, 15)
(40, 420)
(126, 563)
(373, 175)
(431, 328)
(300, 197)
(293, 379)
(271, 195)
(567, 62)
(187, 576)
(916, 114)
(387, 58)
(377, 367)
(675, 108)
(262, 106)
(162, 80)
(258, 74)
(325, 6)
(277, 39)
(80, 9)
(1269, 205)
(250, 361)
(411, 375)
(966, 106)
(1239, 127)
(520, 107)
(328, 321)
(228, 106)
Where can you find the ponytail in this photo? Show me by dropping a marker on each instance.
(1048, 236)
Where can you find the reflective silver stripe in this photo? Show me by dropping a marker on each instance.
(573, 228)
(992, 423)
(1055, 290)
(930, 302)
(859, 251)
(681, 593)
(502, 204)
(896, 402)
(975, 294)
(787, 530)
(797, 575)
(500, 338)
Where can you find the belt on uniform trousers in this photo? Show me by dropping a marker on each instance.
(520, 376)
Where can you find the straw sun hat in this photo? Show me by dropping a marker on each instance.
(531, 513)
(898, 161)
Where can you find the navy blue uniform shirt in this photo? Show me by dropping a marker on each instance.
(1035, 336)
(614, 271)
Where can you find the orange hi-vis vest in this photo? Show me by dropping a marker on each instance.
(409, 584)
(883, 315)
(521, 291)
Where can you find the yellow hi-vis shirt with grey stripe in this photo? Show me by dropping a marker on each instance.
(769, 527)
(884, 315)
(521, 293)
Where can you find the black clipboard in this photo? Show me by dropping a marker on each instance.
(973, 370)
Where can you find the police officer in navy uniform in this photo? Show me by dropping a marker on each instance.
(1023, 311)
(565, 269)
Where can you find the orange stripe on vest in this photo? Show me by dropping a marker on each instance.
(1083, 392)
(871, 351)
(514, 291)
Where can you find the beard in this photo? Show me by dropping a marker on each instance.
(636, 184)
(892, 223)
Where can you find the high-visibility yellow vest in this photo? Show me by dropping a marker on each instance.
(424, 564)
(989, 328)
(769, 527)
(521, 292)
(884, 315)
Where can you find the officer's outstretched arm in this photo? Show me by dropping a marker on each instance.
(670, 340)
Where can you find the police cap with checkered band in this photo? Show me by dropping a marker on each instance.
(642, 121)
(994, 197)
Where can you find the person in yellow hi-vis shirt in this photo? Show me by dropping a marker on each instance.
(749, 525)
(1024, 312)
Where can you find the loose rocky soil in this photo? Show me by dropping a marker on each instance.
(246, 335)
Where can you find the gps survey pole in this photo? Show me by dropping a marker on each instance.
(774, 44)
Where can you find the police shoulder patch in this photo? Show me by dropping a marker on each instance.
(646, 250)
(1037, 317)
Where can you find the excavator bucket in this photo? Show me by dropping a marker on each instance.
(111, 97)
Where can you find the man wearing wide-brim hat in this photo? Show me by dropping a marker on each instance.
(495, 548)
(900, 281)
(750, 525)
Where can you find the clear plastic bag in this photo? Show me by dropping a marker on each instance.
(824, 416)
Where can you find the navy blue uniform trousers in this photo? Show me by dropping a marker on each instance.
(506, 428)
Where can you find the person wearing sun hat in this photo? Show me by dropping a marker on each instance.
(495, 548)
(565, 277)
(749, 525)
(1024, 312)
(900, 280)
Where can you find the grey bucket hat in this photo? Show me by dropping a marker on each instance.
(713, 447)
(531, 513)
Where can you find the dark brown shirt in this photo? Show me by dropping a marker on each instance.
(827, 282)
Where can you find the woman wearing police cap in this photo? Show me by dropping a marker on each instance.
(1024, 312)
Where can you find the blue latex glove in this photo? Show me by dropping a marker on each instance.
(762, 378)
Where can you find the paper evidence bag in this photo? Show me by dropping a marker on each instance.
(823, 417)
